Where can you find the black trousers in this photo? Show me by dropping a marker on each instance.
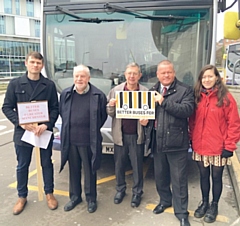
(172, 168)
(135, 153)
(79, 156)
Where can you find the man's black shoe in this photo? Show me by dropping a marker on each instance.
(160, 208)
(71, 204)
(119, 197)
(92, 207)
(184, 222)
(136, 200)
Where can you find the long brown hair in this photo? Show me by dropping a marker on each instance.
(222, 90)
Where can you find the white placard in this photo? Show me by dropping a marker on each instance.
(135, 104)
(32, 112)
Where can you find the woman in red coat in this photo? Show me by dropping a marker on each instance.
(214, 131)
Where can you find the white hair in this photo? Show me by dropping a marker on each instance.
(81, 67)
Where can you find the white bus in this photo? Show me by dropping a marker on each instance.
(233, 64)
(106, 36)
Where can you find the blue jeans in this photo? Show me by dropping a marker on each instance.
(24, 156)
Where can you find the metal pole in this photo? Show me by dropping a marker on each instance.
(214, 36)
(234, 70)
(102, 65)
(10, 67)
(239, 9)
(84, 56)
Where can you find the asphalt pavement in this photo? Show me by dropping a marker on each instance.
(136, 216)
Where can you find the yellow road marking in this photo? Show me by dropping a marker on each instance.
(106, 179)
(65, 193)
(220, 218)
(35, 188)
(32, 173)
(14, 184)
(236, 166)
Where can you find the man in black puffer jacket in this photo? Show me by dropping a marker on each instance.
(167, 136)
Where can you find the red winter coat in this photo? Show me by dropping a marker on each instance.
(213, 128)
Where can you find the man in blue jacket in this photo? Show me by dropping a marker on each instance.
(83, 112)
(167, 136)
(32, 86)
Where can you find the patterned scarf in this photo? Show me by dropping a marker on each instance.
(207, 91)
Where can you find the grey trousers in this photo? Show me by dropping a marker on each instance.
(134, 152)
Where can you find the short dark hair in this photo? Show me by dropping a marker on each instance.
(36, 55)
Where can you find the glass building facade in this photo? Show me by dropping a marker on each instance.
(19, 34)
(12, 57)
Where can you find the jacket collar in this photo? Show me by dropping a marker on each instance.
(26, 86)
(121, 86)
(94, 90)
(84, 91)
(158, 85)
(209, 92)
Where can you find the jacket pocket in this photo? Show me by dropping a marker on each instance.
(174, 137)
(20, 91)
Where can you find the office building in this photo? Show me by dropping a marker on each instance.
(19, 34)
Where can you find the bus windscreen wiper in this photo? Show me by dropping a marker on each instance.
(235, 52)
(67, 12)
(95, 20)
(116, 8)
(86, 20)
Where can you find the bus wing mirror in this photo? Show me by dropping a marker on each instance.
(231, 26)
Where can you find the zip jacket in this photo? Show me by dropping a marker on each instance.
(214, 128)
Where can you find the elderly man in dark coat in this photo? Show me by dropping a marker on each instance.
(83, 112)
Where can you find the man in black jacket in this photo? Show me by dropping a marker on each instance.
(83, 112)
(167, 136)
(32, 86)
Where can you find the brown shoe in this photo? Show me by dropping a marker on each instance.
(19, 206)
(51, 201)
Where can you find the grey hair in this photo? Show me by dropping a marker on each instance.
(81, 67)
(133, 64)
(166, 62)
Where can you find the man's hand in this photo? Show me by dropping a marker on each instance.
(40, 129)
(36, 129)
(158, 97)
(143, 122)
(112, 102)
(30, 127)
